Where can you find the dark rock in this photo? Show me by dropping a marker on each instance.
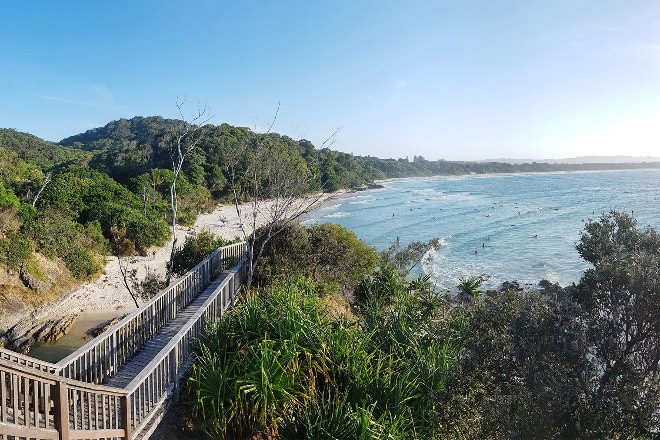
(94, 332)
(32, 282)
(19, 339)
(511, 285)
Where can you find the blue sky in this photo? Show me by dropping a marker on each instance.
(446, 80)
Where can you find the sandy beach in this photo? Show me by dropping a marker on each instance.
(108, 293)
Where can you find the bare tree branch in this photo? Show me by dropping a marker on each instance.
(47, 180)
(185, 139)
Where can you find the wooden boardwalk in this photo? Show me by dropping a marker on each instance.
(149, 350)
(116, 386)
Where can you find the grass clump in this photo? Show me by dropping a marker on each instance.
(278, 365)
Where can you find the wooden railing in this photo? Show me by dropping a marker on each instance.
(160, 377)
(38, 404)
(65, 401)
(27, 361)
(102, 356)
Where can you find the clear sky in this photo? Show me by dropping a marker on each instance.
(446, 80)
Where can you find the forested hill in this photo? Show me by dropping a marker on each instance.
(39, 152)
(127, 148)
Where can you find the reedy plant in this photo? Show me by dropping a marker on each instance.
(277, 365)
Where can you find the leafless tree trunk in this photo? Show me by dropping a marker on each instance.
(145, 200)
(185, 139)
(47, 180)
(128, 275)
(275, 193)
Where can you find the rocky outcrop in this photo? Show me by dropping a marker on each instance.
(34, 283)
(23, 335)
(94, 332)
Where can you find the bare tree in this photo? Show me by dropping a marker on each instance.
(47, 180)
(129, 277)
(271, 186)
(184, 139)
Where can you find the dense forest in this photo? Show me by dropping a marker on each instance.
(69, 201)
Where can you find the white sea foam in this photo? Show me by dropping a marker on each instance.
(361, 202)
(482, 214)
(338, 215)
(330, 207)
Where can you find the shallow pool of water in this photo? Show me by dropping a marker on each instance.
(76, 338)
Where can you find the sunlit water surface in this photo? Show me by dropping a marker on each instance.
(521, 227)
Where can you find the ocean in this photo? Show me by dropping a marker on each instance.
(513, 227)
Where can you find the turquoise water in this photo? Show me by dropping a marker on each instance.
(523, 227)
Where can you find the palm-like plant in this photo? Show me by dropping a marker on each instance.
(278, 365)
(470, 286)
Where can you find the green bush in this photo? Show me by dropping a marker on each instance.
(78, 246)
(327, 253)
(194, 250)
(8, 198)
(277, 364)
(84, 195)
(15, 250)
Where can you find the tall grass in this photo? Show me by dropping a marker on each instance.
(279, 366)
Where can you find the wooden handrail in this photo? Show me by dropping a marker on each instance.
(102, 356)
(36, 403)
(136, 313)
(28, 361)
(161, 375)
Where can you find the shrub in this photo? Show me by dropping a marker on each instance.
(327, 253)
(8, 198)
(55, 236)
(277, 364)
(15, 250)
(194, 250)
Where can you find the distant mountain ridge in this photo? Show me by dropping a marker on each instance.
(581, 160)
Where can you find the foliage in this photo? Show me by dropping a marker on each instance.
(36, 151)
(278, 365)
(18, 177)
(80, 247)
(8, 198)
(194, 250)
(14, 250)
(620, 307)
(469, 287)
(326, 253)
(580, 362)
(85, 195)
(405, 259)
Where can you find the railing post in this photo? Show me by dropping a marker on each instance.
(125, 408)
(61, 410)
(174, 372)
(231, 289)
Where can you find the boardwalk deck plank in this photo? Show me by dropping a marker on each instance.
(134, 366)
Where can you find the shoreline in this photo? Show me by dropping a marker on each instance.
(512, 173)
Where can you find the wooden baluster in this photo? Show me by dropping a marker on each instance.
(125, 414)
(35, 401)
(61, 409)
